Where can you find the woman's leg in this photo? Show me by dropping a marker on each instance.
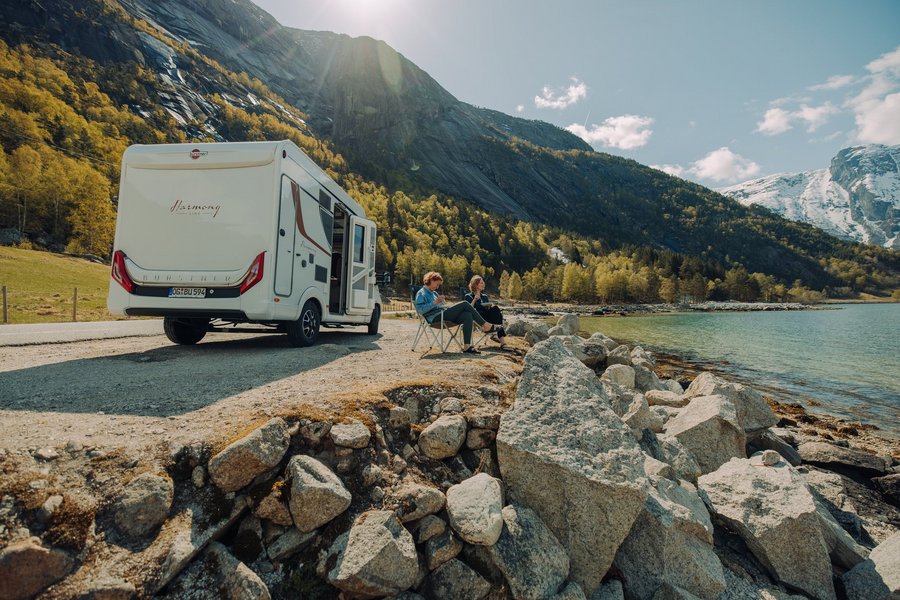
(493, 315)
(462, 313)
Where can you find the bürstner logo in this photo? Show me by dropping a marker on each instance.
(197, 153)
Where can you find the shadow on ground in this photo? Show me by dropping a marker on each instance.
(170, 380)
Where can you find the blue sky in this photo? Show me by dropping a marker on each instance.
(716, 91)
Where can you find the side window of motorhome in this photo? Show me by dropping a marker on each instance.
(359, 234)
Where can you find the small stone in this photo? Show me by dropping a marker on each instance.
(317, 494)
(313, 432)
(769, 458)
(408, 452)
(377, 494)
(454, 580)
(398, 417)
(38, 484)
(372, 475)
(47, 454)
(474, 507)
(619, 374)
(491, 421)
(288, 543)
(198, 477)
(273, 508)
(351, 435)
(241, 462)
(398, 465)
(477, 439)
(49, 507)
(27, 568)
(451, 406)
(429, 527)
(417, 501)
(441, 548)
(144, 504)
(444, 437)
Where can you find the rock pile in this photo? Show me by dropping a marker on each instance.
(601, 481)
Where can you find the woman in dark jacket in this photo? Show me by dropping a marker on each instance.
(488, 310)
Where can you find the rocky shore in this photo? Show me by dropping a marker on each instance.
(610, 475)
(647, 309)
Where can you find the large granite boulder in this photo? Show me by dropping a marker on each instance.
(878, 578)
(533, 562)
(537, 334)
(765, 501)
(622, 375)
(144, 504)
(708, 427)
(474, 506)
(241, 462)
(620, 355)
(753, 412)
(671, 544)
(605, 340)
(518, 327)
(377, 557)
(566, 455)
(645, 378)
(670, 451)
(570, 324)
(317, 494)
(846, 460)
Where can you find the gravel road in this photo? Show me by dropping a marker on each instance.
(139, 391)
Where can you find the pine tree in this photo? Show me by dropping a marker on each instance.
(515, 286)
(504, 285)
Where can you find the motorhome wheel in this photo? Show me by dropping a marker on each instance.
(185, 331)
(305, 330)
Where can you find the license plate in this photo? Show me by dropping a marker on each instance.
(182, 292)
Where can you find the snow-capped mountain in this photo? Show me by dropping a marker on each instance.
(856, 198)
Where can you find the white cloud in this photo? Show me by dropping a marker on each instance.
(775, 121)
(676, 170)
(835, 82)
(520, 108)
(779, 120)
(625, 132)
(723, 165)
(559, 100)
(877, 106)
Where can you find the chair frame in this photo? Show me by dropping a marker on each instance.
(427, 330)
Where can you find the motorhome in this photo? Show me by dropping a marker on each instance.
(212, 237)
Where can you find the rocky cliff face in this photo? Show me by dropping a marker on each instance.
(856, 198)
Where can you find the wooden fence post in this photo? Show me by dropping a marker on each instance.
(75, 305)
(5, 314)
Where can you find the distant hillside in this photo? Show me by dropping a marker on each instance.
(419, 160)
(856, 198)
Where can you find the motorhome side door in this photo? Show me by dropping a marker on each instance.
(361, 285)
(284, 249)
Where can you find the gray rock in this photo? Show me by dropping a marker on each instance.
(444, 437)
(416, 501)
(657, 468)
(275, 509)
(477, 439)
(441, 548)
(484, 421)
(572, 591)
(372, 475)
(878, 578)
(611, 590)
(454, 580)
(619, 374)
(236, 579)
(606, 341)
(576, 346)
(638, 353)
(889, 486)
(27, 568)
(144, 504)
(671, 544)
(428, 527)
(532, 560)
(398, 417)
(289, 543)
(537, 334)
(771, 508)
(473, 508)
(569, 323)
(834, 458)
(518, 328)
(753, 412)
(451, 406)
(767, 440)
(561, 430)
(108, 588)
(557, 330)
(241, 462)
(666, 398)
(644, 377)
(46, 454)
(313, 432)
(50, 506)
(620, 355)
(350, 435)
(709, 429)
(377, 557)
(317, 494)
(638, 414)
(672, 386)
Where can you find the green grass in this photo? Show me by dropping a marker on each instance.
(40, 286)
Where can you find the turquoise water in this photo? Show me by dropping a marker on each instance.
(846, 359)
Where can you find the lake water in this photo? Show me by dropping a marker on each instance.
(847, 359)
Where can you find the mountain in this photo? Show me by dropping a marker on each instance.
(856, 198)
(226, 70)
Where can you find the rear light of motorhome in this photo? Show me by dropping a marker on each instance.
(120, 273)
(255, 274)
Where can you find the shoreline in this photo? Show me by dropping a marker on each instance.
(603, 310)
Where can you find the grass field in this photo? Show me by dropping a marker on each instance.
(40, 286)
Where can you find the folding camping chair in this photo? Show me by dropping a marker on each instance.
(434, 330)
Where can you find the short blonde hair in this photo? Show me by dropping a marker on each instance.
(476, 279)
(431, 276)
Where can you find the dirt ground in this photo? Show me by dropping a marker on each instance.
(134, 393)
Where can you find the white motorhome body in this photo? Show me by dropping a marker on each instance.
(249, 232)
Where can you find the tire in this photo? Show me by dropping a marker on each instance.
(305, 330)
(185, 332)
(373, 322)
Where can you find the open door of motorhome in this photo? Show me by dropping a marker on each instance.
(361, 284)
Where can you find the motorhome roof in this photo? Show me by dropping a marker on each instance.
(225, 155)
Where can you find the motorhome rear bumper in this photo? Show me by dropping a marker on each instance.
(188, 313)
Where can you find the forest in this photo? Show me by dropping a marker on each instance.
(65, 122)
